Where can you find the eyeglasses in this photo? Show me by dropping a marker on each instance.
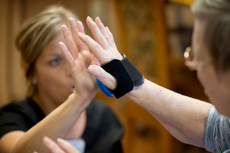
(190, 62)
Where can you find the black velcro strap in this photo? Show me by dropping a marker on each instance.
(125, 73)
(124, 82)
(134, 74)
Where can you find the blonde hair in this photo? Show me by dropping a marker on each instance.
(36, 33)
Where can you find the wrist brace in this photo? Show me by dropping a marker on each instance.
(126, 75)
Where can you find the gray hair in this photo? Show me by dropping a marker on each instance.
(216, 13)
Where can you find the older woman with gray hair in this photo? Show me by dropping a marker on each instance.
(189, 120)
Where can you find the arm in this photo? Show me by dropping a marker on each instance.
(182, 116)
(56, 125)
(59, 122)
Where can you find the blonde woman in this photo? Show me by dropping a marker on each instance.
(60, 100)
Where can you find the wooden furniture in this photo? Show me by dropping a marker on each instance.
(142, 132)
(143, 38)
(186, 2)
(182, 80)
(140, 31)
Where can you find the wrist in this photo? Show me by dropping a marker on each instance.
(126, 74)
(78, 101)
(136, 90)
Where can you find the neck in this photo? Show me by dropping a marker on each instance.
(46, 104)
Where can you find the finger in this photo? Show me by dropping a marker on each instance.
(68, 57)
(81, 29)
(95, 48)
(111, 39)
(69, 41)
(99, 37)
(107, 79)
(66, 146)
(95, 61)
(52, 146)
(74, 30)
(102, 28)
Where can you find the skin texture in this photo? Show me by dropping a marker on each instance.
(182, 116)
(64, 108)
(62, 146)
(216, 84)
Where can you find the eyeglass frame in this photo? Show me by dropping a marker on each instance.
(190, 62)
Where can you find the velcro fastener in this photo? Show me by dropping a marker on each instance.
(126, 74)
(134, 74)
(124, 82)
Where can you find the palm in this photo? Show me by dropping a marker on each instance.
(79, 59)
(85, 84)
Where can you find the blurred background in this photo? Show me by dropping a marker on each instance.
(152, 33)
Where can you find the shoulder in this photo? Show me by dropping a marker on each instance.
(217, 132)
(20, 115)
(23, 108)
(13, 108)
(15, 105)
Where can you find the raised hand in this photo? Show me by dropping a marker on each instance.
(79, 59)
(103, 48)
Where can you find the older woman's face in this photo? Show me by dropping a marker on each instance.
(216, 86)
(52, 74)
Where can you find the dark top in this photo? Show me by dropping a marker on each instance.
(102, 134)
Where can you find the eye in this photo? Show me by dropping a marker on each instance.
(55, 62)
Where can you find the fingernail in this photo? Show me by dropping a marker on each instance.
(89, 18)
(80, 34)
(62, 46)
(99, 19)
(72, 21)
(46, 139)
(91, 69)
(79, 22)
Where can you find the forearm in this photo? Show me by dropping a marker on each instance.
(176, 111)
(56, 125)
(182, 116)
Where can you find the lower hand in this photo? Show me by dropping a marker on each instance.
(62, 146)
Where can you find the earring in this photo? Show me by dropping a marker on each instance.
(34, 81)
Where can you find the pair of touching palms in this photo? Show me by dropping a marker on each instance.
(82, 62)
(85, 66)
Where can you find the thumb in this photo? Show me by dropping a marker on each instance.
(107, 79)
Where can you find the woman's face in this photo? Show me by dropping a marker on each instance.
(52, 74)
(216, 85)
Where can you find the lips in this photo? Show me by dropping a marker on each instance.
(72, 89)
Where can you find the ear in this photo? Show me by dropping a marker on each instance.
(34, 81)
(33, 78)
(25, 66)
